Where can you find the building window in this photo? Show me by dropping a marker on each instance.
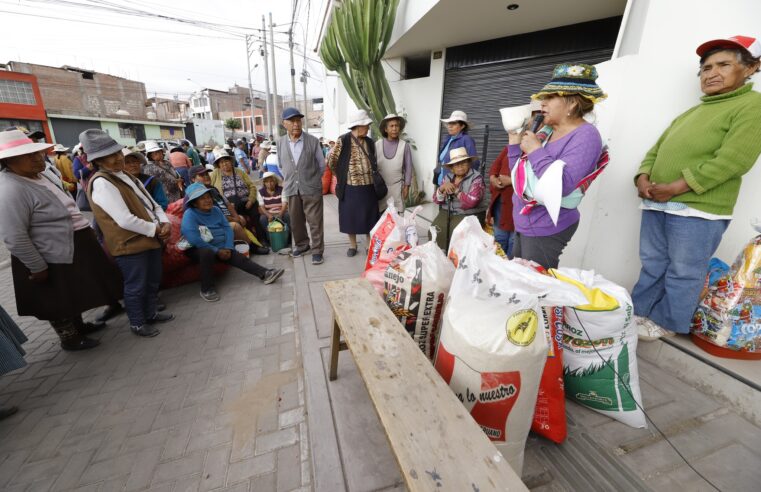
(416, 67)
(126, 131)
(16, 92)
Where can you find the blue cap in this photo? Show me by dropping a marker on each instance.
(289, 113)
(194, 191)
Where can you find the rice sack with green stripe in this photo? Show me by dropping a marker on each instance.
(600, 349)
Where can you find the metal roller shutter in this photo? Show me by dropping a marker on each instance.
(482, 90)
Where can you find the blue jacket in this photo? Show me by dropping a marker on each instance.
(462, 139)
(80, 171)
(215, 221)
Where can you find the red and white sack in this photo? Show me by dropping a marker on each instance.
(416, 286)
(493, 348)
(549, 413)
(391, 235)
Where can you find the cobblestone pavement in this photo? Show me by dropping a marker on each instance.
(216, 402)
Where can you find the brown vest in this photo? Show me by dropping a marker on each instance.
(121, 241)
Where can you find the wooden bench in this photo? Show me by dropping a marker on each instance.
(437, 444)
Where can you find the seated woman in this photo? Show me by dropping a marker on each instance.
(205, 227)
(273, 204)
(461, 194)
(236, 186)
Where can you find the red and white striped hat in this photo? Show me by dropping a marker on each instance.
(15, 142)
(752, 45)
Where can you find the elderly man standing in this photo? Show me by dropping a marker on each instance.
(302, 164)
(689, 182)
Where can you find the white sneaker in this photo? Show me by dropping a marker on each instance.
(649, 331)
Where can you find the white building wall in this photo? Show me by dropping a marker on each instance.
(647, 90)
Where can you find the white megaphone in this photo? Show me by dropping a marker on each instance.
(515, 118)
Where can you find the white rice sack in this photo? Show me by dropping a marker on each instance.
(592, 358)
(493, 347)
(416, 286)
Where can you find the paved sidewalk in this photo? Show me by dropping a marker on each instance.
(216, 402)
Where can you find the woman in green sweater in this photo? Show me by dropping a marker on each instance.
(689, 182)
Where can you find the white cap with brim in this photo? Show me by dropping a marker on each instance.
(457, 116)
(152, 146)
(270, 174)
(14, 143)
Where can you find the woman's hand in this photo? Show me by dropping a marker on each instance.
(513, 138)
(164, 230)
(224, 254)
(643, 186)
(530, 142)
(447, 188)
(490, 220)
(664, 192)
(249, 204)
(270, 217)
(39, 277)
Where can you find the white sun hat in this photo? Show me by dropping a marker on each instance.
(60, 148)
(14, 143)
(359, 118)
(152, 146)
(457, 116)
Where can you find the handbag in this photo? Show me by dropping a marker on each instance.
(83, 203)
(379, 184)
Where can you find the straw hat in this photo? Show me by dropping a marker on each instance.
(359, 118)
(14, 143)
(459, 154)
(60, 148)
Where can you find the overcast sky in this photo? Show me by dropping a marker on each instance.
(161, 53)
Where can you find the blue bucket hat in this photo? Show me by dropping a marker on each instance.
(194, 191)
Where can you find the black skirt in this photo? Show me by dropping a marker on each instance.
(358, 210)
(90, 281)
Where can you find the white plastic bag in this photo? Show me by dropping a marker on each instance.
(391, 235)
(469, 231)
(493, 345)
(600, 340)
(416, 286)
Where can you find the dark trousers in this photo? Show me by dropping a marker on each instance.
(253, 222)
(142, 276)
(544, 250)
(206, 257)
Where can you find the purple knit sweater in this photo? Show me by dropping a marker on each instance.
(580, 150)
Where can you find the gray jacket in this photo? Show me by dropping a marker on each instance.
(36, 227)
(306, 177)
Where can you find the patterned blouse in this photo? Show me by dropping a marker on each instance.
(232, 186)
(167, 176)
(360, 170)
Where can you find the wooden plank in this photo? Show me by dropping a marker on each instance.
(438, 446)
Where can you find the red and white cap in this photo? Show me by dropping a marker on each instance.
(751, 44)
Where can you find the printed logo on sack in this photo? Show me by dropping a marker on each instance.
(488, 396)
(521, 327)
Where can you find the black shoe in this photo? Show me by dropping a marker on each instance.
(273, 275)
(160, 307)
(109, 312)
(145, 331)
(92, 327)
(160, 318)
(260, 250)
(317, 259)
(83, 344)
(7, 412)
(351, 252)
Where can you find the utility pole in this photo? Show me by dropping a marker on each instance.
(249, 49)
(304, 75)
(293, 70)
(275, 110)
(266, 78)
